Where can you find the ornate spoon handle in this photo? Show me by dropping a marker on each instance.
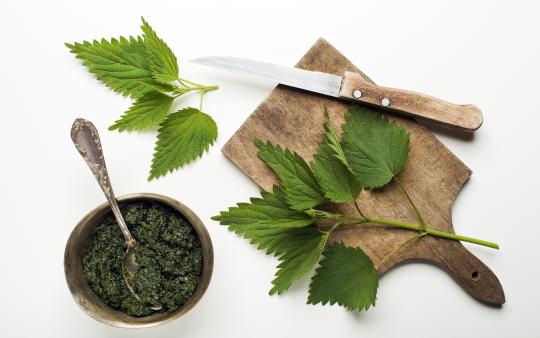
(86, 139)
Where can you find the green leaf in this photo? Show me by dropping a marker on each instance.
(375, 148)
(182, 137)
(301, 249)
(345, 276)
(147, 111)
(270, 211)
(332, 140)
(121, 64)
(270, 225)
(162, 60)
(301, 188)
(332, 171)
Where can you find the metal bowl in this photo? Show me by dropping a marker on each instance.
(76, 249)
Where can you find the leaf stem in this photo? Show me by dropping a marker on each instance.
(197, 86)
(456, 237)
(402, 188)
(200, 103)
(399, 247)
(431, 232)
(190, 82)
(209, 88)
(202, 90)
(416, 227)
(337, 224)
(358, 208)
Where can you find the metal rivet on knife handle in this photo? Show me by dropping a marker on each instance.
(385, 102)
(357, 93)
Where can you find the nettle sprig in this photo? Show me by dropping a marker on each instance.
(283, 222)
(145, 69)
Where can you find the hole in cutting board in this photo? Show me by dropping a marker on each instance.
(475, 275)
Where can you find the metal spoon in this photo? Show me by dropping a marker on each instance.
(86, 139)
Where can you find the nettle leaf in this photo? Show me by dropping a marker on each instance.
(375, 148)
(345, 276)
(332, 140)
(182, 137)
(162, 60)
(301, 188)
(147, 111)
(121, 64)
(301, 249)
(270, 225)
(270, 211)
(332, 169)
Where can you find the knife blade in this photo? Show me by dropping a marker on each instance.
(354, 87)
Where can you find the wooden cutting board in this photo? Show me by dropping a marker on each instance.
(432, 175)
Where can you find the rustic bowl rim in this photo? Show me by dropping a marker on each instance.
(92, 305)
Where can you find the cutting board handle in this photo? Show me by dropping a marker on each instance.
(465, 117)
(469, 272)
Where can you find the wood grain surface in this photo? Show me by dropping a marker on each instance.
(432, 175)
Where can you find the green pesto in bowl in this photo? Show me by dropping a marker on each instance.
(168, 252)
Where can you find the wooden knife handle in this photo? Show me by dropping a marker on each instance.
(356, 88)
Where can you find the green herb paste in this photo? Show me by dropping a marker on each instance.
(168, 252)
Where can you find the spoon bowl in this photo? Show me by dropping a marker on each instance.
(130, 269)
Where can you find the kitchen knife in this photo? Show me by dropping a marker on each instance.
(353, 87)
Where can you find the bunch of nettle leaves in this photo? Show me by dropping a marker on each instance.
(145, 69)
(284, 222)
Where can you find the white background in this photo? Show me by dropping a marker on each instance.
(485, 53)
